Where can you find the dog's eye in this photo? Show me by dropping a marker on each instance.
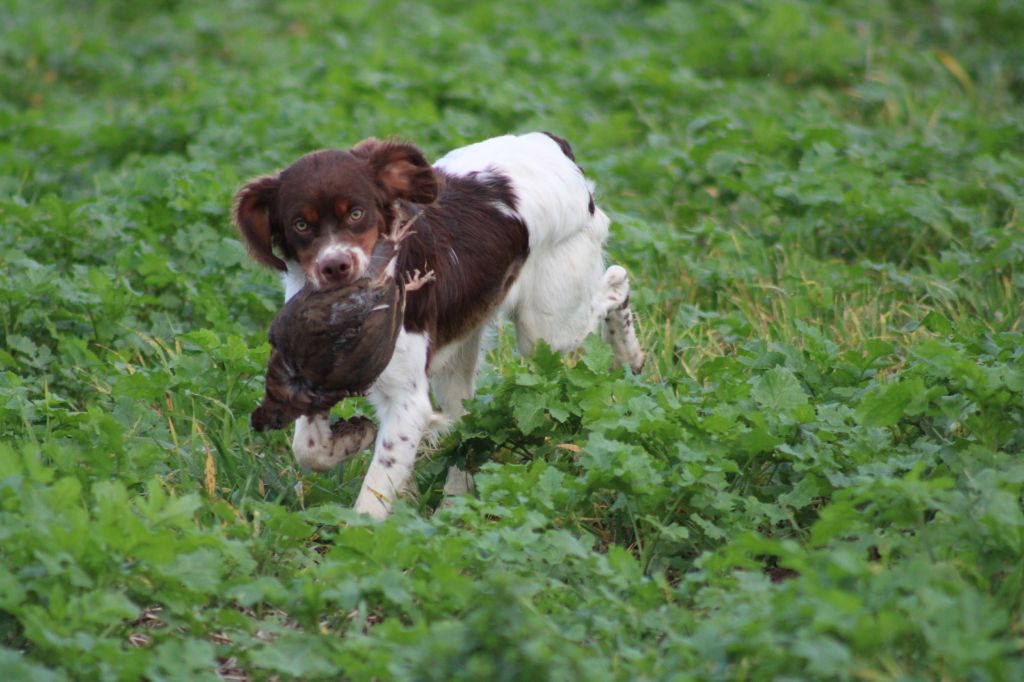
(356, 215)
(300, 225)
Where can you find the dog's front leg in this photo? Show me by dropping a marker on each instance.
(401, 398)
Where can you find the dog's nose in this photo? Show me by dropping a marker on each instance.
(336, 268)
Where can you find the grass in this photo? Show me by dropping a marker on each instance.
(818, 475)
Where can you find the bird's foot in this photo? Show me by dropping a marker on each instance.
(415, 280)
(399, 229)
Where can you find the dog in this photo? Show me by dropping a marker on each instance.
(507, 225)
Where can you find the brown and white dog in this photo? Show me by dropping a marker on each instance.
(507, 225)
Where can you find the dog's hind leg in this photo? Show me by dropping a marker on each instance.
(453, 376)
(619, 321)
(565, 293)
(554, 297)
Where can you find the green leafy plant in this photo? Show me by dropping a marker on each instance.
(817, 476)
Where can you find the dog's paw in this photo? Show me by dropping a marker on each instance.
(616, 277)
(614, 292)
(373, 503)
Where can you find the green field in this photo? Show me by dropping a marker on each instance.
(818, 476)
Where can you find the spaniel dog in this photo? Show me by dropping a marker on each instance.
(508, 226)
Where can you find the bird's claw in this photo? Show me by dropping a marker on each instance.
(399, 229)
(404, 230)
(415, 280)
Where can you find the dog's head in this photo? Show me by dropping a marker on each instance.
(327, 210)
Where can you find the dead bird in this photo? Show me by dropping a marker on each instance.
(329, 344)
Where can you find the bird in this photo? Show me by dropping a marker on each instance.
(329, 344)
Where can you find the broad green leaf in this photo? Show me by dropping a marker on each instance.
(778, 390)
(885, 404)
(15, 665)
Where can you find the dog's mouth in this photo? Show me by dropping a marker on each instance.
(319, 285)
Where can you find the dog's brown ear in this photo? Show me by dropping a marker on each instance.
(400, 169)
(252, 216)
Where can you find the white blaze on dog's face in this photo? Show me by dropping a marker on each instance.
(327, 210)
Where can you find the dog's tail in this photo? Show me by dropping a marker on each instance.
(563, 145)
